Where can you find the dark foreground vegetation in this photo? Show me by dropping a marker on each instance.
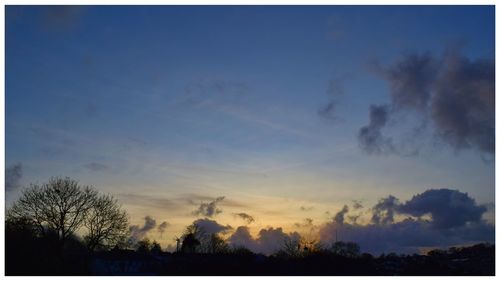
(41, 239)
(38, 257)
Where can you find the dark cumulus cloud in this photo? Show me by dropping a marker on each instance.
(357, 204)
(13, 175)
(209, 226)
(371, 138)
(434, 218)
(456, 94)
(209, 209)
(268, 241)
(162, 227)
(138, 232)
(383, 212)
(339, 216)
(246, 217)
(447, 208)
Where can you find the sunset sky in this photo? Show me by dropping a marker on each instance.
(288, 113)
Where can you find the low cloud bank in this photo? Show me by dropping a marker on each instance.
(268, 241)
(434, 218)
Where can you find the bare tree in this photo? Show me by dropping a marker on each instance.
(216, 245)
(106, 223)
(290, 248)
(60, 206)
(63, 207)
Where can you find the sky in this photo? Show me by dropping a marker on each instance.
(262, 122)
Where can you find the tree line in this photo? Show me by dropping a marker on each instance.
(56, 227)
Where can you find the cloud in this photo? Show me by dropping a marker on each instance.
(96, 167)
(241, 237)
(339, 217)
(162, 226)
(193, 199)
(137, 232)
(410, 81)
(209, 209)
(448, 208)
(248, 218)
(354, 218)
(179, 204)
(13, 175)
(455, 93)
(209, 226)
(407, 236)
(308, 222)
(334, 90)
(269, 239)
(356, 204)
(463, 107)
(370, 137)
(383, 212)
(434, 218)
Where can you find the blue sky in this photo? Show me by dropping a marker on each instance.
(166, 102)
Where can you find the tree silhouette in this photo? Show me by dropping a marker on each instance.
(346, 249)
(190, 239)
(62, 207)
(106, 223)
(144, 246)
(216, 245)
(196, 240)
(59, 205)
(189, 243)
(290, 248)
(155, 248)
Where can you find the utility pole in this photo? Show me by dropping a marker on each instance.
(178, 244)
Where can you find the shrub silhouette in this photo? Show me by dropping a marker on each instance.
(346, 249)
(155, 248)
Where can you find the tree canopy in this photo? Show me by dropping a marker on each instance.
(64, 207)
